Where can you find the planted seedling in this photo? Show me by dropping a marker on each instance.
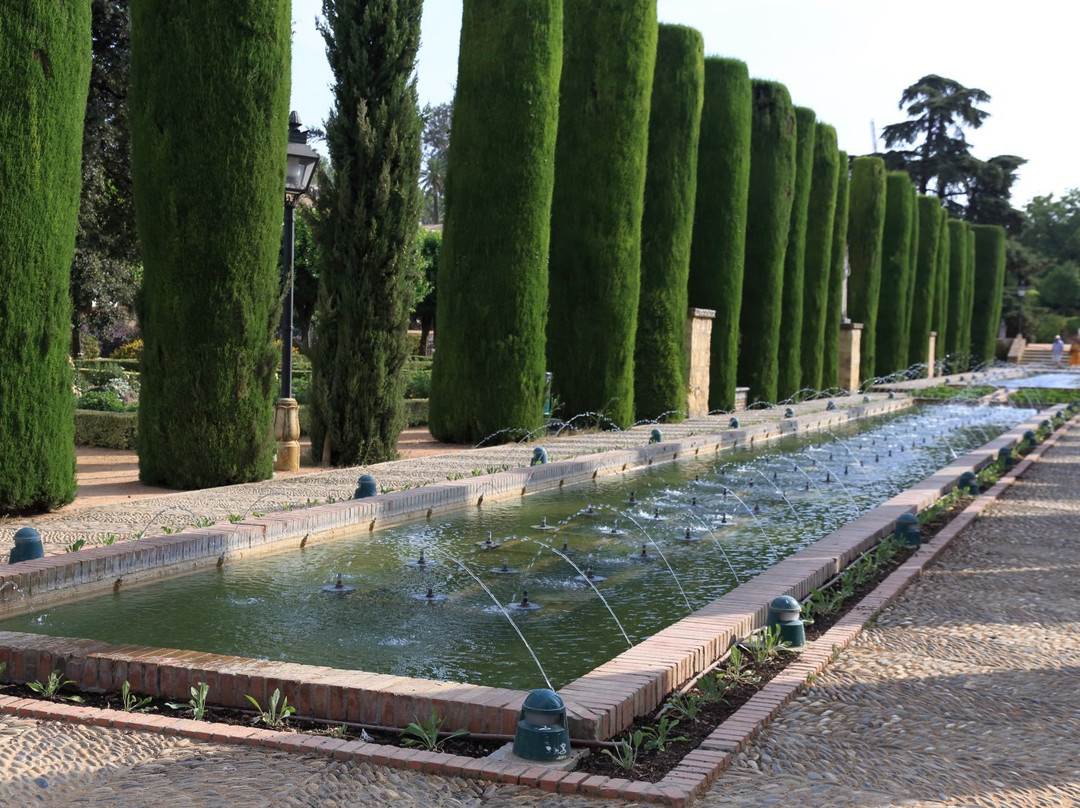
(687, 706)
(738, 672)
(426, 735)
(659, 737)
(626, 751)
(273, 716)
(134, 704)
(196, 704)
(51, 687)
(712, 689)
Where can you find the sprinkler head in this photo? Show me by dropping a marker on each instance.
(693, 502)
(656, 513)
(633, 498)
(828, 477)
(339, 584)
(525, 599)
(757, 508)
(430, 593)
(644, 551)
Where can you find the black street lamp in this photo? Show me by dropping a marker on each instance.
(300, 168)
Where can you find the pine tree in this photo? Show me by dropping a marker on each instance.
(988, 288)
(789, 360)
(772, 178)
(830, 369)
(866, 224)
(489, 369)
(891, 340)
(719, 244)
(370, 208)
(210, 249)
(45, 70)
(660, 362)
(609, 51)
(820, 224)
(922, 309)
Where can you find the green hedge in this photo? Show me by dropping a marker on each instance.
(772, 179)
(660, 363)
(891, 338)
(109, 430)
(820, 223)
(988, 289)
(924, 300)
(92, 365)
(789, 357)
(956, 327)
(866, 227)
(493, 265)
(941, 294)
(609, 51)
(719, 246)
(830, 368)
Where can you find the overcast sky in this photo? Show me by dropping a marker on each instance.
(848, 60)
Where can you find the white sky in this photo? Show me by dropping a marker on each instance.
(848, 60)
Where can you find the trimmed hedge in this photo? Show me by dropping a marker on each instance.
(968, 304)
(772, 179)
(667, 225)
(924, 300)
(45, 70)
(866, 228)
(719, 244)
(789, 359)
(830, 367)
(941, 294)
(609, 51)
(892, 339)
(109, 430)
(210, 298)
(989, 286)
(489, 369)
(820, 223)
(955, 328)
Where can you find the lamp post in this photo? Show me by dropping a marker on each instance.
(300, 167)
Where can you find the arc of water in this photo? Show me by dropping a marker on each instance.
(719, 546)
(835, 476)
(757, 521)
(502, 610)
(603, 600)
(780, 491)
(854, 457)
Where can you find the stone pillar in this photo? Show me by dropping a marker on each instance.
(698, 352)
(850, 355)
(287, 434)
(930, 359)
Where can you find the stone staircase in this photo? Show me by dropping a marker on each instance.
(1038, 353)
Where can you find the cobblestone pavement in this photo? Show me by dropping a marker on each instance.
(965, 692)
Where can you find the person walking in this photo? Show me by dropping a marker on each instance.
(1057, 349)
(1074, 353)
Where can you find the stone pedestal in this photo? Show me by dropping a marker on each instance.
(287, 434)
(699, 353)
(930, 370)
(850, 355)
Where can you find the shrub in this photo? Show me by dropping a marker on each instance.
(924, 301)
(108, 430)
(418, 383)
(891, 338)
(103, 401)
(129, 350)
(959, 296)
(830, 368)
(866, 223)
(989, 283)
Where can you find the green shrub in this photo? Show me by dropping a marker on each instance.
(418, 383)
(129, 350)
(941, 293)
(104, 401)
(891, 339)
(926, 282)
(416, 411)
(107, 430)
(989, 286)
(959, 299)
(866, 227)
(830, 368)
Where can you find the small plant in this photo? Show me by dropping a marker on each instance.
(235, 517)
(476, 472)
(713, 690)
(737, 671)
(75, 546)
(196, 704)
(426, 735)
(659, 738)
(110, 538)
(257, 514)
(133, 704)
(626, 751)
(687, 706)
(273, 716)
(168, 530)
(204, 522)
(52, 686)
(766, 645)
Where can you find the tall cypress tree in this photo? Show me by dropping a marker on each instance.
(772, 179)
(210, 282)
(892, 343)
(957, 319)
(789, 375)
(719, 246)
(941, 294)
(370, 207)
(988, 287)
(660, 363)
(913, 260)
(493, 271)
(922, 309)
(830, 369)
(609, 51)
(821, 216)
(45, 65)
(967, 306)
(866, 227)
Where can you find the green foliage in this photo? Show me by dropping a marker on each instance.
(989, 285)
(109, 430)
(1059, 288)
(609, 51)
(436, 147)
(956, 334)
(660, 364)
(210, 288)
(891, 339)
(942, 277)
(925, 285)
(1053, 229)
(625, 753)
(945, 391)
(830, 369)
(718, 251)
(820, 224)
(44, 73)
(493, 266)
(772, 179)
(426, 735)
(866, 227)
(196, 705)
(104, 401)
(737, 671)
(273, 716)
(51, 687)
(428, 251)
(659, 738)
(765, 646)
(789, 357)
(133, 704)
(685, 706)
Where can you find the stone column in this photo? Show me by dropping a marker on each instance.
(850, 355)
(287, 434)
(930, 359)
(698, 341)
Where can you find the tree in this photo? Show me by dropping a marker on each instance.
(929, 212)
(821, 214)
(428, 248)
(489, 371)
(1053, 228)
(830, 368)
(891, 338)
(435, 142)
(989, 285)
(306, 261)
(369, 209)
(45, 69)
(866, 223)
(940, 322)
(989, 189)
(433, 184)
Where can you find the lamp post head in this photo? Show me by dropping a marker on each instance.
(300, 163)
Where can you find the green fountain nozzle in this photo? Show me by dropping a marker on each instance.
(831, 405)
(1005, 455)
(892, 394)
(907, 530)
(733, 423)
(542, 731)
(27, 546)
(656, 436)
(1031, 440)
(969, 483)
(540, 456)
(784, 614)
(365, 487)
(866, 399)
(789, 413)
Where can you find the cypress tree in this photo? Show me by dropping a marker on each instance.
(922, 309)
(989, 286)
(45, 65)
(370, 209)
(609, 50)
(968, 304)
(719, 244)
(892, 343)
(210, 282)
(866, 225)
(913, 260)
(660, 362)
(830, 369)
(955, 327)
(772, 178)
(820, 224)
(789, 375)
(941, 294)
(488, 373)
